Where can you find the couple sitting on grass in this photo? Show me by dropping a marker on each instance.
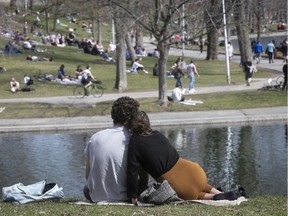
(120, 158)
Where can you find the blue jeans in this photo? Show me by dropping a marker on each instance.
(179, 81)
(192, 81)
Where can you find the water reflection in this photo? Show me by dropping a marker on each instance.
(254, 156)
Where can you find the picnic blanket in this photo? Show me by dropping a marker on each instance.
(191, 102)
(140, 204)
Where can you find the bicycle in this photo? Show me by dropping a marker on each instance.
(278, 82)
(95, 89)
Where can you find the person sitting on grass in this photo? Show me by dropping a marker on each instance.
(14, 85)
(151, 151)
(106, 57)
(28, 80)
(177, 94)
(136, 66)
(61, 72)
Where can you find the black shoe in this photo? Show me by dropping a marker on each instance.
(242, 192)
(231, 195)
(219, 189)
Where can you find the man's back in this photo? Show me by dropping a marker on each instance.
(176, 94)
(258, 48)
(107, 152)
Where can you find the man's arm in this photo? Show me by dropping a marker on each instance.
(195, 70)
(87, 168)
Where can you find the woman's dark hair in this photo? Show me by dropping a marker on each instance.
(140, 124)
(123, 109)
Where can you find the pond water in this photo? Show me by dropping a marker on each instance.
(251, 155)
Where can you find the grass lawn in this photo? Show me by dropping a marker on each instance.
(215, 101)
(262, 205)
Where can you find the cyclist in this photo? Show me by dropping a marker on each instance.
(87, 78)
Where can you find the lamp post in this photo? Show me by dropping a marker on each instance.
(183, 30)
(226, 43)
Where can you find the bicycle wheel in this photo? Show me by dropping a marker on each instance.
(97, 91)
(280, 81)
(274, 85)
(79, 92)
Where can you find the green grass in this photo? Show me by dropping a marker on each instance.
(212, 72)
(262, 205)
(214, 101)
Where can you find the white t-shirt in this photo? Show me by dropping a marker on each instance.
(135, 66)
(27, 45)
(26, 79)
(191, 69)
(176, 94)
(107, 152)
(112, 47)
(86, 73)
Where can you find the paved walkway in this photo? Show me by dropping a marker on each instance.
(157, 119)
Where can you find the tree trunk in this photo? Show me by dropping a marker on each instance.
(55, 17)
(213, 23)
(242, 31)
(99, 25)
(130, 48)
(94, 24)
(31, 5)
(139, 37)
(163, 47)
(13, 4)
(46, 21)
(212, 46)
(121, 75)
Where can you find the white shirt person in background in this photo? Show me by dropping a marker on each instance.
(177, 94)
(136, 66)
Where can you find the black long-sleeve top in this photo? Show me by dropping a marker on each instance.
(154, 153)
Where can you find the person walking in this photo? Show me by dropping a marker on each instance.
(284, 50)
(230, 50)
(106, 156)
(258, 51)
(192, 70)
(270, 51)
(249, 70)
(284, 70)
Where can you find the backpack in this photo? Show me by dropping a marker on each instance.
(178, 74)
(38, 191)
(30, 81)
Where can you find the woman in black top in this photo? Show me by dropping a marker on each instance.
(153, 152)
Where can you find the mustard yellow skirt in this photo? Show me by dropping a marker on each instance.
(188, 179)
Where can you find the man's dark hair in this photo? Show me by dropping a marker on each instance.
(123, 109)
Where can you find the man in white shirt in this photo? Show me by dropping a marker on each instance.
(107, 153)
(136, 66)
(177, 94)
